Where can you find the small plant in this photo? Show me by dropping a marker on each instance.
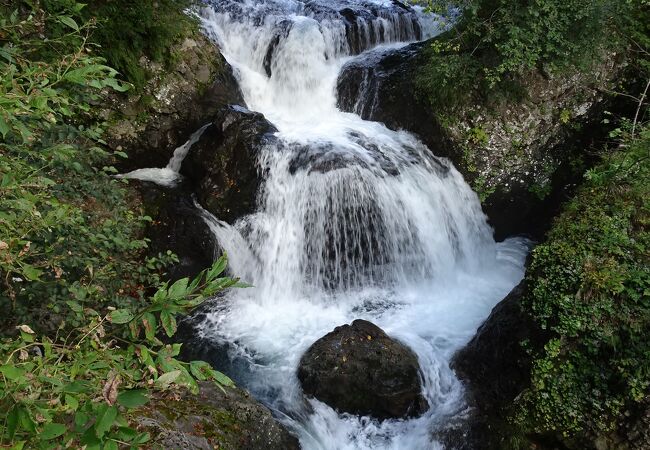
(478, 136)
(565, 116)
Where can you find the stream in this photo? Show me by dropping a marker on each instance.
(353, 221)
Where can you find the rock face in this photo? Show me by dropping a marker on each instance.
(494, 363)
(177, 226)
(175, 102)
(496, 369)
(358, 369)
(223, 163)
(230, 420)
(514, 153)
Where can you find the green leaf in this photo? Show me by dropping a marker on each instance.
(116, 85)
(76, 387)
(25, 420)
(166, 379)
(26, 337)
(4, 127)
(168, 322)
(222, 379)
(217, 268)
(12, 422)
(120, 316)
(31, 273)
(150, 324)
(12, 373)
(76, 307)
(179, 288)
(105, 420)
(51, 431)
(201, 370)
(81, 419)
(142, 438)
(133, 398)
(69, 21)
(72, 402)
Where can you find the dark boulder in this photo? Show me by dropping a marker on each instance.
(381, 86)
(223, 164)
(359, 369)
(496, 368)
(494, 363)
(229, 419)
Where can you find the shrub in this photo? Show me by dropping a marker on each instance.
(590, 286)
(494, 42)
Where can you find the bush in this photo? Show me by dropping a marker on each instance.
(495, 42)
(590, 286)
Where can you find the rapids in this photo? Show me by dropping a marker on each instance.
(353, 221)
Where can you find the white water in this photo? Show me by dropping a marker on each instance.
(169, 175)
(370, 225)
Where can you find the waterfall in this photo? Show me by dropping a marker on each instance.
(353, 221)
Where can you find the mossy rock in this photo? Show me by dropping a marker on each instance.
(227, 419)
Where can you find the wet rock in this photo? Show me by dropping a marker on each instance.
(323, 157)
(228, 419)
(359, 369)
(380, 86)
(281, 33)
(223, 164)
(494, 363)
(518, 154)
(175, 102)
(177, 226)
(496, 369)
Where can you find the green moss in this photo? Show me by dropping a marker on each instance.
(589, 285)
(128, 31)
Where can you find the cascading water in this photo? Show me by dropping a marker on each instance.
(354, 221)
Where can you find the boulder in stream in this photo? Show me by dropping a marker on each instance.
(359, 369)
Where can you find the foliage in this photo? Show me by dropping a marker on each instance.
(66, 229)
(81, 336)
(496, 41)
(131, 30)
(77, 388)
(590, 286)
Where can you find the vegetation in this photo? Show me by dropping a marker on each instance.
(84, 311)
(128, 31)
(589, 283)
(495, 42)
(590, 286)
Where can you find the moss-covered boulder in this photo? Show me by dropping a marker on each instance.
(227, 419)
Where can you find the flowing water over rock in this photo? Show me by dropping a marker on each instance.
(353, 221)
